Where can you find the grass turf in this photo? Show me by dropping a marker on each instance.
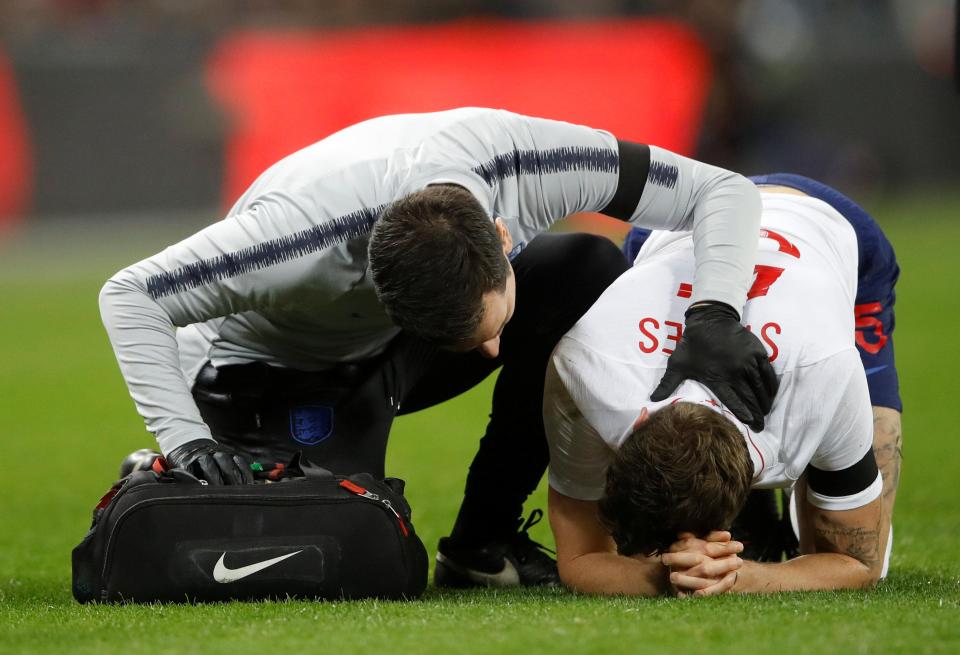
(66, 421)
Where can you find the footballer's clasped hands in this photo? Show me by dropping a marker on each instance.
(703, 567)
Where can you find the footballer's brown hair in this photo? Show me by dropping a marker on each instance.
(433, 255)
(685, 469)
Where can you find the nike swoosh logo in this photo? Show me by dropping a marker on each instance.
(876, 369)
(223, 574)
(506, 577)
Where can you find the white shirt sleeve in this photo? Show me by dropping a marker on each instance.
(144, 341)
(720, 207)
(555, 169)
(579, 457)
(848, 428)
(533, 172)
(848, 501)
(227, 268)
(544, 170)
(847, 440)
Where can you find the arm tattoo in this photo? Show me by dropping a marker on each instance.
(858, 542)
(888, 449)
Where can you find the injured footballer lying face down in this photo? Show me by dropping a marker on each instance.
(643, 494)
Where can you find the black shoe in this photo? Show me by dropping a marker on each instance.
(517, 560)
(138, 460)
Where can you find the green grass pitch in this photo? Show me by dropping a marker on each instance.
(66, 421)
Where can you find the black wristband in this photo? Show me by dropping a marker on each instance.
(714, 307)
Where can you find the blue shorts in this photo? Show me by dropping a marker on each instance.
(877, 275)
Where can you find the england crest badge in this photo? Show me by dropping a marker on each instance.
(311, 424)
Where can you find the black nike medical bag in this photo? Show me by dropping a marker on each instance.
(167, 536)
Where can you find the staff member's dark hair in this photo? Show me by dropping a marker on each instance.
(433, 255)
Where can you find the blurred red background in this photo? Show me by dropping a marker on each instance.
(641, 79)
(644, 80)
(15, 157)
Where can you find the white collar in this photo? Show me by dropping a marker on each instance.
(707, 399)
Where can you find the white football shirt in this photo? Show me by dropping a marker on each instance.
(603, 371)
(284, 280)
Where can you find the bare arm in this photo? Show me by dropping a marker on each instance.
(587, 557)
(887, 448)
(843, 550)
(842, 545)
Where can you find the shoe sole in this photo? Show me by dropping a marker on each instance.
(451, 575)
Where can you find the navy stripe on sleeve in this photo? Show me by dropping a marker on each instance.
(846, 482)
(662, 174)
(262, 255)
(543, 162)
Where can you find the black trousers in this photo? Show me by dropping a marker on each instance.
(341, 419)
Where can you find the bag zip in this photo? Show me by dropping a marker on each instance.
(365, 493)
(350, 486)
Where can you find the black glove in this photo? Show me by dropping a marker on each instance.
(208, 460)
(717, 351)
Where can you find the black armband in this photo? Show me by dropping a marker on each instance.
(847, 482)
(634, 167)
